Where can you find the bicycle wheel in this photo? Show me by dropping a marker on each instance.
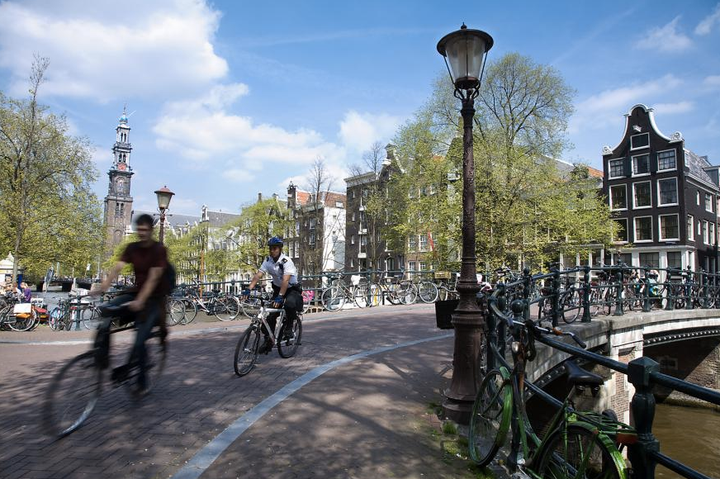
(361, 296)
(288, 347)
(427, 291)
(90, 318)
(176, 311)
(570, 305)
(333, 298)
(246, 351)
(191, 311)
(407, 293)
(72, 395)
(490, 418)
(20, 322)
(581, 453)
(227, 308)
(55, 319)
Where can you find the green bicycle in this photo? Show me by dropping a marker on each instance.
(577, 444)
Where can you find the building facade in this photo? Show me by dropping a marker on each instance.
(663, 196)
(365, 246)
(315, 239)
(117, 215)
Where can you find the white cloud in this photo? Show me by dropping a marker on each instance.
(708, 23)
(138, 48)
(712, 81)
(665, 39)
(673, 108)
(358, 131)
(206, 133)
(606, 108)
(102, 156)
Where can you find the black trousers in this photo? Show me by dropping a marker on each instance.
(293, 304)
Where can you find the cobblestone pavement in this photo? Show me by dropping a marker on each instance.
(358, 419)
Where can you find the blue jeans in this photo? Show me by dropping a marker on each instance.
(144, 322)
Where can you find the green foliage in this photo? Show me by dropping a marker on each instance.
(527, 210)
(258, 222)
(48, 212)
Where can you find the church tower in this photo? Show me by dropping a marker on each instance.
(118, 202)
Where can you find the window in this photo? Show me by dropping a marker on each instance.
(690, 228)
(712, 233)
(674, 259)
(669, 227)
(625, 258)
(616, 168)
(618, 197)
(641, 195)
(412, 243)
(352, 239)
(411, 266)
(622, 234)
(666, 160)
(667, 192)
(643, 228)
(697, 197)
(352, 262)
(641, 165)
(353, 216)
(422, 266)
(708, 202)
(639, 141)
(705, 232)
(650, 260)
(423, 243)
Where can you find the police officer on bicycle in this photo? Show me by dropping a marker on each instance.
(287, 293)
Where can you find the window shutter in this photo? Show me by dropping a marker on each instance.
(627, 162)
(653, 158)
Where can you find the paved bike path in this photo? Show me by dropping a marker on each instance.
(364, 417)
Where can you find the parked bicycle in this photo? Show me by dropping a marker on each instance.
(248, 346)
(576, 444)
(338, 293)
(76, 388)
(184, 309)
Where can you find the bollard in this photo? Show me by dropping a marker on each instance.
(586, 296)
(646, 292)
(670, 305)
(527, 280)
(643, 412)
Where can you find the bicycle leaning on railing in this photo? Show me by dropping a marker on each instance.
(577, 444)
(248, 346)
(75, 390)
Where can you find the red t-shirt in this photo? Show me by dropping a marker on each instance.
(143, 258)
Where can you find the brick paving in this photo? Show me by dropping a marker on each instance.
(364, 418)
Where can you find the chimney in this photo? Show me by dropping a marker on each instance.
(259, 197)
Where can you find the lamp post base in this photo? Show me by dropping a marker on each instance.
(457, 410)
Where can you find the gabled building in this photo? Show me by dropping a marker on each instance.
(664, 197)
(315, 240)
(365, 245)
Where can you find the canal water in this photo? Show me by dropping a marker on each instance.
(690, 436)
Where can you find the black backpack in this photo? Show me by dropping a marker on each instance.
(170, 277)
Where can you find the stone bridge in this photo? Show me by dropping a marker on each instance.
(686, 344)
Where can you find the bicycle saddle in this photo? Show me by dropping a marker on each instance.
(577, 376)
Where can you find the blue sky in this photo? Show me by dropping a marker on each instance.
(232, 98)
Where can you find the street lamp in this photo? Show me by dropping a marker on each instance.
(164, 195)
(465, 53)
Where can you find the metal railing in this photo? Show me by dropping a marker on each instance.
(643, 373)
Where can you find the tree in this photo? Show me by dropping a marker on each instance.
(47, 209)
(319, 185)
(257, 223)
(527, 208)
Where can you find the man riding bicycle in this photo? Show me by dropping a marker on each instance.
(146, 299)
(286, 289)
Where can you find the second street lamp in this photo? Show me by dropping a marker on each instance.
(465, 52)
(164, 195)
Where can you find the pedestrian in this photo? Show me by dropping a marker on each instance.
(26, 292)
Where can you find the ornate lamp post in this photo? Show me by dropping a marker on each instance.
(164, 195)
(465, 52)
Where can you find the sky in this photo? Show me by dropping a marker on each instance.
(227, 99)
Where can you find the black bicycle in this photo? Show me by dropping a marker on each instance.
(76, 389)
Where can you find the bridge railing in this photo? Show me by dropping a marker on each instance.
(643, 373)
